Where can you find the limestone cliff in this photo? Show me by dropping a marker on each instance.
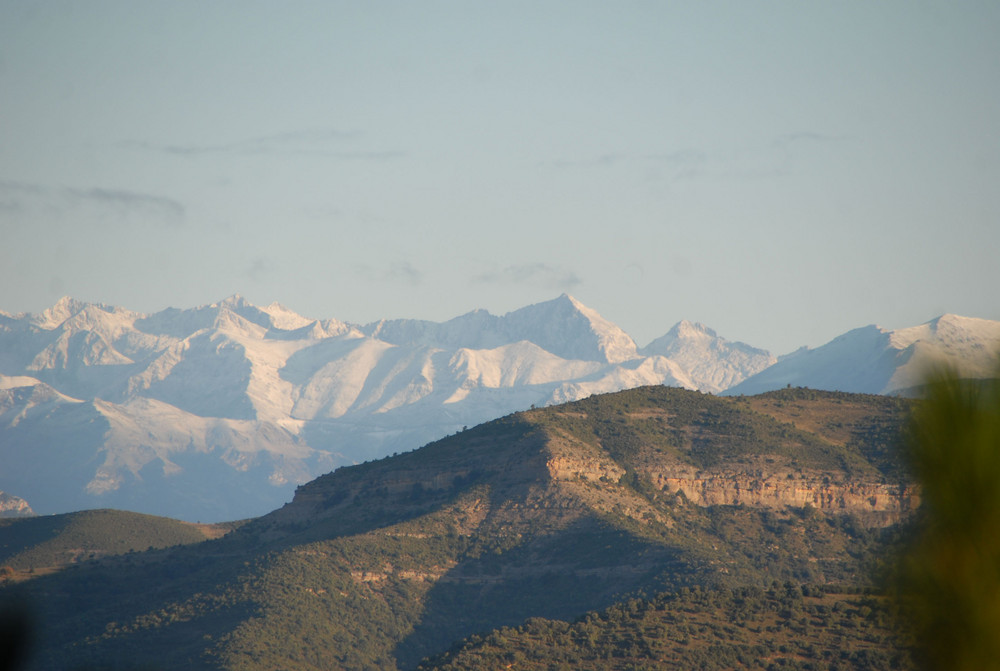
(776, 490)
(878, 503)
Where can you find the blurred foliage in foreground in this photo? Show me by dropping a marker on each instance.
(949, 577)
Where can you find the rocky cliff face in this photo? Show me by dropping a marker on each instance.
(631, 454)
(877, 502)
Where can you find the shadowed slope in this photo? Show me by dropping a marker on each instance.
(551, 512)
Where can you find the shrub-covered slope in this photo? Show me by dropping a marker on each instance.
(55, 541)
(548, 513)
(784, 626)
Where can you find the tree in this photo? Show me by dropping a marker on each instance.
(949, 575)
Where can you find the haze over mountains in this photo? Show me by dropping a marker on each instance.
(218, 412)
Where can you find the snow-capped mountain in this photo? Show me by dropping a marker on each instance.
(713, 363)
(880, 361)
(219, 411)
(564, 327)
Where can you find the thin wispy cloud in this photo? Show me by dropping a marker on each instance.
(406, 273)
(10, 189)
(401, 272)
(805, 137)
(130, 200)
(25, 198)
(763, 161)
(329, 143)
(603, 160)
(535, 274)
(673, 166)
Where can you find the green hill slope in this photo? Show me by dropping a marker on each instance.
(782, 626)
(549, 513)
(55, 541)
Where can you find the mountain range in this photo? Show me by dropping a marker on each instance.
(874, 360)
(219, 411)
(650, 528)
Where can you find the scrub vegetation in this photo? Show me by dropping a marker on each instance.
(547, 528)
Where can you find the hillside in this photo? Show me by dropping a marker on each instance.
(785, 625)
(56, 541)
(548, 513)
(218, 412)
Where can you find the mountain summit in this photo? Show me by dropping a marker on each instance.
(563, 326)
(875, 360)
(568, 328)
(219, 411)
(714, 363)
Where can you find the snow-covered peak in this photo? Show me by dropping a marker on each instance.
(274, 316)
(229, 311)
(970, 346)
(285, 319)
(109, 321)
(948, 330)
(713, 363)
(872, 359)
(691, 330)
(234, 302)
(329, 328)
(235, 323)
(19, 395)
(237, 305)
(567, 327)
(63, 309)
(563, 326)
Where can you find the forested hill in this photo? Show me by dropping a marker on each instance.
(548, 513)
(782, 626)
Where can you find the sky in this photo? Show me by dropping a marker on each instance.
(779, 171)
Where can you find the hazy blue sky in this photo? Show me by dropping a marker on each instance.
(781, 171)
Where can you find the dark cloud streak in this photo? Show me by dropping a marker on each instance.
(23, 198)
(130, 200)
(293, 143)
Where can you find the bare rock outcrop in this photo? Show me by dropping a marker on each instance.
(890, 502)
(879, 503)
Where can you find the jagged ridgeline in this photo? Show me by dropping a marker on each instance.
(549, 513)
